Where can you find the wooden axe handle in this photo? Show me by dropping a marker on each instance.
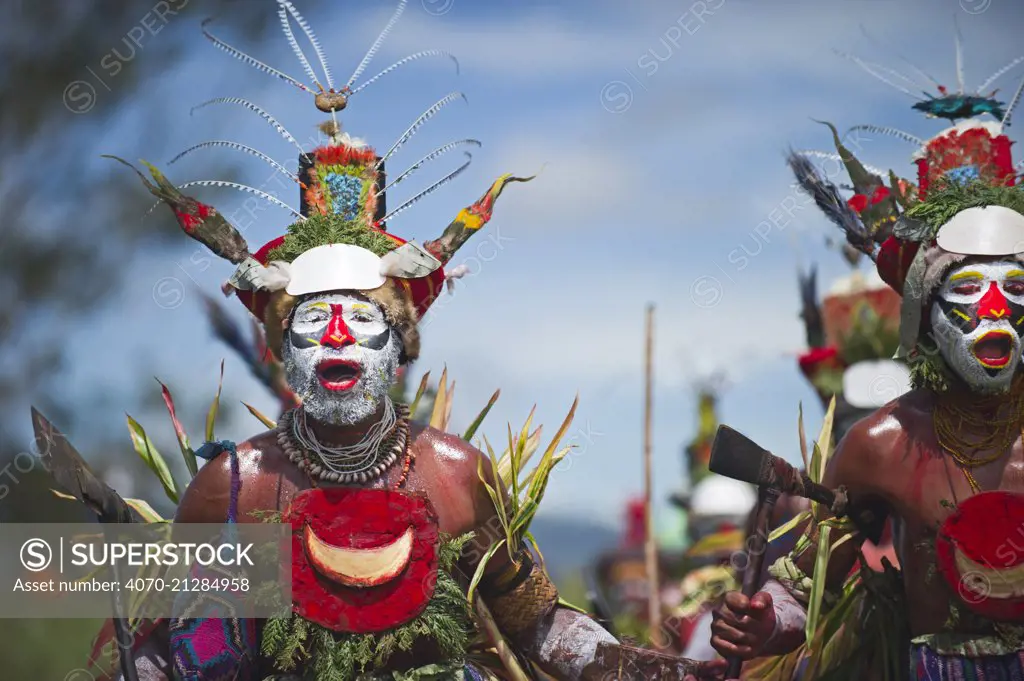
(757, 546)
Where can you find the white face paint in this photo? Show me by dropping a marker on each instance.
(340, 357)
(976, 320)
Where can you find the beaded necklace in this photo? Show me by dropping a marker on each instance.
(394, 444)
(963, 426)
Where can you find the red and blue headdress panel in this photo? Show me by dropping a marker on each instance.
(339, 240)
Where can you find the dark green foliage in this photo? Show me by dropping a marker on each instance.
(949, 199)
(871, 337)
(320, 230)
(295, 643)
(57, 269)
(928, 370)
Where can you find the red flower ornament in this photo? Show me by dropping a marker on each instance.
(858, 202)
(980, 552)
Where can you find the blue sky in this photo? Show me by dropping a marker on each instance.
(661, 128)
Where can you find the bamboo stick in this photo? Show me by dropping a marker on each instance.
(508, 658)
(651, 549)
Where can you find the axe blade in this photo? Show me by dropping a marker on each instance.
(69, 469)
(736, 456)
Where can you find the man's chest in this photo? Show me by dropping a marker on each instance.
(961, 520)
(931, 482)
(275, 486)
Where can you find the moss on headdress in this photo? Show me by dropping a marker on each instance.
(927, 367)
(320, 230)
(950, 198)
(929, 370)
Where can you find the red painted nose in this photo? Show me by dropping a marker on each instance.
(337, 334)
(993, 304)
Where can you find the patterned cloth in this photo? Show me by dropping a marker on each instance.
(927, 665)
(213, 649)
(473, 674)
(206, 649)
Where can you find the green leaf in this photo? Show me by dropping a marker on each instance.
(179, 431)
(147, 452)
(506, 516)
(478, 574)
(440, 402)
(448, 402)
(143, 508)
(547, 462)
(566, 604)
(842, 611)
(211, 416)
(539, 483)
(825, 440)
(262, 419)
(801, 517)
(803, 436)
(818, 582)
(499, 506)
(821, 453)
(419, 393)
(536, 548)
(529, 449)
(475, 425)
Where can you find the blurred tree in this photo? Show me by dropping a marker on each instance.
(70, 69)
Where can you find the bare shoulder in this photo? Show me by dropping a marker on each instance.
(207, 497)
(447, 469)
(878, 440)
(457, 459)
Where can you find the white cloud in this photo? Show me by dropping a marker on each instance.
(578, 331)
(631, 207)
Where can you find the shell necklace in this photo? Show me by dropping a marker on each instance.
(362, 462)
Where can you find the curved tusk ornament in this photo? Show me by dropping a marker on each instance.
(360, 568)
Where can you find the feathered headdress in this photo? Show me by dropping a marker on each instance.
(973, 149)
(339, 240)
(967, 165)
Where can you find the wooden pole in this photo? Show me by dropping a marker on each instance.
(651, 548)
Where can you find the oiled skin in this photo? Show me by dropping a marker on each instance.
(893, 456)
(445, 469)
(893, 459)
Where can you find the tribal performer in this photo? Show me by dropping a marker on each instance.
(943, 462)
(718, 511)
(340, 299)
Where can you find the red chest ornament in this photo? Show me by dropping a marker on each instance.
(363, 560)
(980, 550)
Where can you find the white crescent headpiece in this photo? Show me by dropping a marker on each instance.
(873, 383)
(336, 267)
(992, 230)
(718, 495)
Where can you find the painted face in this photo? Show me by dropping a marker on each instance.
(341, 357)
(977, 319)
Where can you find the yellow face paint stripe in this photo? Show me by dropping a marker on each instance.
(959, 276)
(962, 315)
(319, 306)
(1015, 273)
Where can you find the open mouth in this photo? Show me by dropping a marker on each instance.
(338, 374)
(993, 349)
